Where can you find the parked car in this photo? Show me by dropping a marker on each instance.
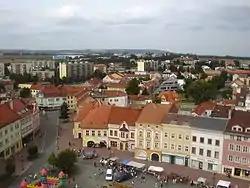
(109, 175)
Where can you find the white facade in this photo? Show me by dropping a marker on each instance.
(141, 66)
(26, 125)
(62, 70)
(121, 101)
(50, 102)
(107, 79)
(206, 150)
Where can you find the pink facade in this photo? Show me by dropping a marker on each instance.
(236, 156)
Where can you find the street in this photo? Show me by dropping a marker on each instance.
(48, 145)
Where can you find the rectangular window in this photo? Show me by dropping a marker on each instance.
(111, 132)
(148, 145)
(172, 147)
(165, 145)
(140, 133)
(202, 140)
(166, 135)
(217, 142)
(156, 144)
(187, 137)
(115, 133)
(231, 147)
(238, 148)
(194, 138)
(148, 134)
(132, 135)
(244, 160)
(99, 133)
(244, 149)
(216, 155)
(237, 159)
(140, 143)
(180, 136)
(105, 133)
(87, 132)
(201, 151)
(172, 136)
(93, 133)
(193, 150)
(208, 153)
(230, 158)
(186, 148)
(209, 141)
(179, 148)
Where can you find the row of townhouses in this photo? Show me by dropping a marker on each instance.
(158, 133)
(19, 121)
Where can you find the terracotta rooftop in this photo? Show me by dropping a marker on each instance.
(201, 108)
(238, 71)
(108, 94)
(72, 90)
(170, 96)
(37, 86)
(53, 91)
(121, 114)
(154, 113)
(94, 82)
(97, 118)
(221, 111)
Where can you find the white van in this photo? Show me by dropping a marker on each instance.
(223, 184)
(109, 175)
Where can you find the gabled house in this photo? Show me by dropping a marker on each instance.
(113, 78)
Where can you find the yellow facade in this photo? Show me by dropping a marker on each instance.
(148, 142)
(10, 139)
(176, 142)
(95, 136)
(72, 103)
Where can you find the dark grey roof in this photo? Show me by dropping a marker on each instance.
(215, 124)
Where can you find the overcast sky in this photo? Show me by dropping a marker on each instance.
(220, 27)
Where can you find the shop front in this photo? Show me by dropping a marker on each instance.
(175, 159)
(205, 164)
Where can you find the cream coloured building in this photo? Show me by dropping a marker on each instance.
(148, 137)
(176, 139)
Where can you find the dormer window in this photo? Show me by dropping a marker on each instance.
(237, 128)
(247, 130)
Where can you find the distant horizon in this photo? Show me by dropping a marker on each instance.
(113, 50)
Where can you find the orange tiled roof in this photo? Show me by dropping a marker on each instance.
(154, 113)
(123, 114)
(112, 94)
(170, 96)
(97, 118)
(85, 110)
(94, 81)
(201, 108)
(72, 90)
(238, 71)
(53, 91)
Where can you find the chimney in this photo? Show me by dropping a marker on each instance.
(11, 104)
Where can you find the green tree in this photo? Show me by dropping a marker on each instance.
(145, 92)
(66, 160)
(133, 87)
(25, 93)
(201, 91)
(52, 160)
(227, 93)
(64, 111)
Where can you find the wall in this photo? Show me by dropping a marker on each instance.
(26, 125)
(117, 101)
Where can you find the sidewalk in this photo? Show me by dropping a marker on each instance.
(21, 161)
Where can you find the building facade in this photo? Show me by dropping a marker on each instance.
(148, 137)
(236, 147)
(207, 143)
(76, 70)
(176, 139)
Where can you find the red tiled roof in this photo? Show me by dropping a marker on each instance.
(139, 97)
(123, 114)
(201, 108)
(7, 115)
(238, 71)
(53, 91)
(170, 96)
(94, 81)
(117, 85)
